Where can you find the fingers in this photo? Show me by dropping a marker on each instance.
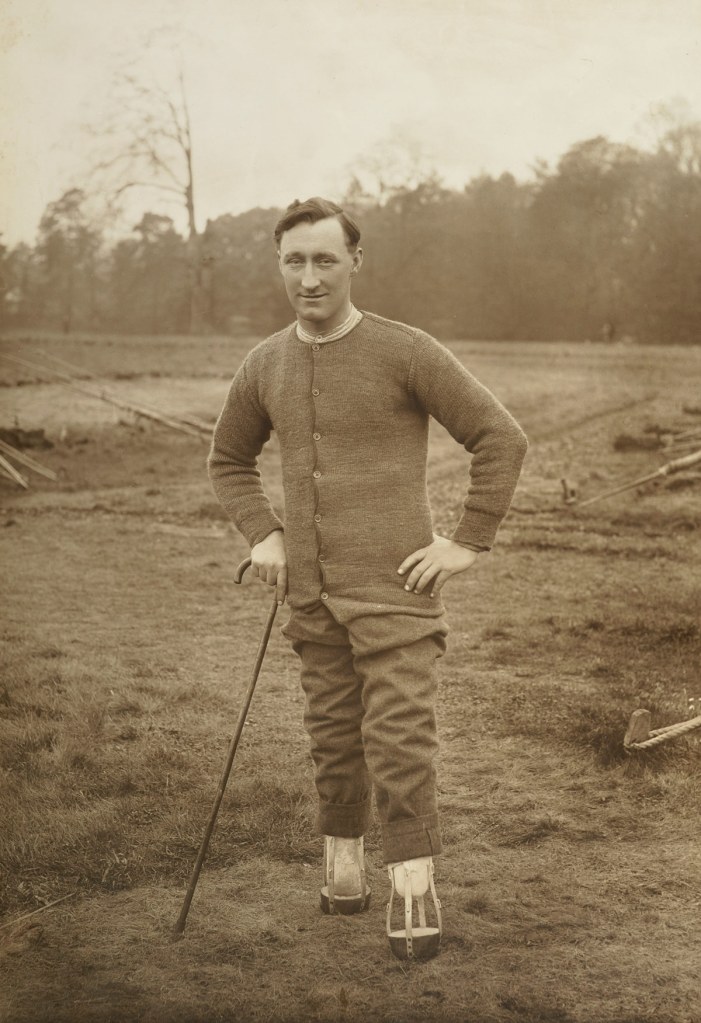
(427, 573)
(281, 585)
(438, 582)
(273, 575)
(410, 561)
(427, 578)
(421, 575)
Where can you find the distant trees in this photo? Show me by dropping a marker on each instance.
(605, 245)
(148, 280)
(581, 226)
(146, 144)
(666, 249)
(66, 261)
(244, 290)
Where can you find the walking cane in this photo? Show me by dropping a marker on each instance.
(180, 925)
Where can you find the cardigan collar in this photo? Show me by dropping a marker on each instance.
(344, 328)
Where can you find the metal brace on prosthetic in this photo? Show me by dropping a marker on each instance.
(331, 902)
(411, 943)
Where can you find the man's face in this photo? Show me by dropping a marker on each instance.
(317, 269)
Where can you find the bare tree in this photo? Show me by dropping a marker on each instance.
(397, 166)
(146, 144)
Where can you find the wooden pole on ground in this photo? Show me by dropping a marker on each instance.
(10, 471)
(199, 424)
(664, 470)
(25, 916)
(31, 463)
(117, 402)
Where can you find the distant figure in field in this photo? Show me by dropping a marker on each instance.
(349, 395)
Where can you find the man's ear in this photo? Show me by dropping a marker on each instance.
(357, 260)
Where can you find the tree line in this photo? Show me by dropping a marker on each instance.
(604, 246)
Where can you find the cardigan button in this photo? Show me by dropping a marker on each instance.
(317, 518)
(315, 391)
(324, 596)
(315, 348)
(316, 474)
(316, 436)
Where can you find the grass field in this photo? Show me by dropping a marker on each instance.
(571, 880)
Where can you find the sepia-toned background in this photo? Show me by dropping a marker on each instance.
(527, 179)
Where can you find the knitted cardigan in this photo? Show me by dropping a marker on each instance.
(352, 421)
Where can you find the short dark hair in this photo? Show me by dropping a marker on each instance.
(312, 210)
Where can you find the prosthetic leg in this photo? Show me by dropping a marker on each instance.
(345, 889)
(412, 879)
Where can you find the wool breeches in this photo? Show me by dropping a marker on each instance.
(370, 690)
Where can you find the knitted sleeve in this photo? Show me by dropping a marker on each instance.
(478, 421)
(241, 431)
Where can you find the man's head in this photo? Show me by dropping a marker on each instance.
(318, 255)
(310, 212)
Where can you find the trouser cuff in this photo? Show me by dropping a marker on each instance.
(343, 820)
(409, 839)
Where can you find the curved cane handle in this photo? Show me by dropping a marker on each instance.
(238, 577)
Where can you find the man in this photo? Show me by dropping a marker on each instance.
(349, 395)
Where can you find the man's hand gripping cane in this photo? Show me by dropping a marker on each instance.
(269, 563)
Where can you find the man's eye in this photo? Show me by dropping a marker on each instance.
(294, 262)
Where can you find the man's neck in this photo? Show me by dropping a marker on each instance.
(320, 329)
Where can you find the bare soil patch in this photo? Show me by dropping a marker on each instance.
(571, 878)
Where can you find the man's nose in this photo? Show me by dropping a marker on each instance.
(310, 278)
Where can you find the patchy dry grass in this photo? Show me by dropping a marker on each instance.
(571, 875)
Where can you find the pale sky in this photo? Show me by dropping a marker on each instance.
(287, 96)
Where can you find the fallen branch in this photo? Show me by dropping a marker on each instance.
(687, 434)
(34, 912)
(688, 442)
(31, 463)
(199, 424)
(6, 475)
(664, 470)
(10, 471)
(102, 396)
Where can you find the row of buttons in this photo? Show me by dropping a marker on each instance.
(316, 473)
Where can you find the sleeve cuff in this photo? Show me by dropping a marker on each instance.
(479, 548)
(476, 530)
(256, 527)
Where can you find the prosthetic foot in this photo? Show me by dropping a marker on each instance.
(412, 879)
(345, 889)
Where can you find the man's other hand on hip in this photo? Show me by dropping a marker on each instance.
(435, 564)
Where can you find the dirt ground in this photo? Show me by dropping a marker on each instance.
(571, 879)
